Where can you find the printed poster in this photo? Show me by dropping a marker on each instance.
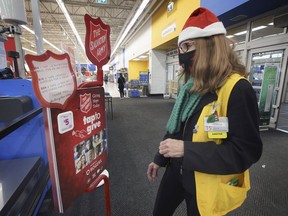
(80, 141)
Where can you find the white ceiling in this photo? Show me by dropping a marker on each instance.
(55, 28)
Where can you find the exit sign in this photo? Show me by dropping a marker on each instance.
(102, 1)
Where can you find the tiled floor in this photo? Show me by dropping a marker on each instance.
(112, 88)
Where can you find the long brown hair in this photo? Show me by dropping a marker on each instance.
(214, 62)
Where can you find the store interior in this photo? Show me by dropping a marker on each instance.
(262, 47)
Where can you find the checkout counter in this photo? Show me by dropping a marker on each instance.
(24, 173)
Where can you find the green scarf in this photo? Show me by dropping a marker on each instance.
(184, 106)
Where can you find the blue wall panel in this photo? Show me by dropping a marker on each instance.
(29, 139)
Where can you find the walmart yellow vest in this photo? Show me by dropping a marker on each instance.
(214, 196)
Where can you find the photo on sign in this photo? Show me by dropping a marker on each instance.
(88, 150)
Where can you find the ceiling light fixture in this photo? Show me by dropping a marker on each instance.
(69, 20)
(258, 28)
(46, 41)
(134, 19)
(29, 50)
(240, 33)
(229, 36)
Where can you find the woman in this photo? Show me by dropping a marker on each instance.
(121, 84)
(213, 131)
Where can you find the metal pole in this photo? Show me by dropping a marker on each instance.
(18, 46)
(37, 26)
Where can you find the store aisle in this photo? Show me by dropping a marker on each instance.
(112, 88)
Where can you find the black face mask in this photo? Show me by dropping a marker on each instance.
(187, 59)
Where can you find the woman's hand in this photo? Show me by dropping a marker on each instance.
(152, 171)
(172, 148)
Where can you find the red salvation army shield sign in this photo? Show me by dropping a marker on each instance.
(97, 41)
(85, 103)
(97, 47)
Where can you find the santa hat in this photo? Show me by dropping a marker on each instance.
(201, 23)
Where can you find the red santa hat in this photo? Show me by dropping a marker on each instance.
(201, 23)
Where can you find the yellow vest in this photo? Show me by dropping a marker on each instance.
(214, 196)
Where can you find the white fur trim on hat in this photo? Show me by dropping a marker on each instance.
(195, 32)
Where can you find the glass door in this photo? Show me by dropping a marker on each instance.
(267, 74)
(282, 121)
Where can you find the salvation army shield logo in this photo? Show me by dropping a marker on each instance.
(97, 41)
(85, 103)
(98, 45)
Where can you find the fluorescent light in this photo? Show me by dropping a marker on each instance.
(28, 29)
(143, 56)
(46, 41)
(277, 55)
(32, 44)
(261, 57)
(258, 28)
(229, 36)
(137, 14)
(69, 20)
(136, 59)
(271, 24)
(29, 50)
(241, 33)
(254, 29)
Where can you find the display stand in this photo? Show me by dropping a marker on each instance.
(74, 118)
(103, 179)
(144, 82)
(108, 101)
(264, 78)
(134, 89)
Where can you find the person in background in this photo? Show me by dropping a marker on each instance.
(106, 79)
(121, 84)
(213, 131)
(127, 89)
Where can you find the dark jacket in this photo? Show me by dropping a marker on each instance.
(239, 150)
(121, 82)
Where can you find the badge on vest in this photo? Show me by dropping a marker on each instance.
(217, 127)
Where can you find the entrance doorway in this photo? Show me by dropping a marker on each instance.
(267, 75)
(282, 122)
